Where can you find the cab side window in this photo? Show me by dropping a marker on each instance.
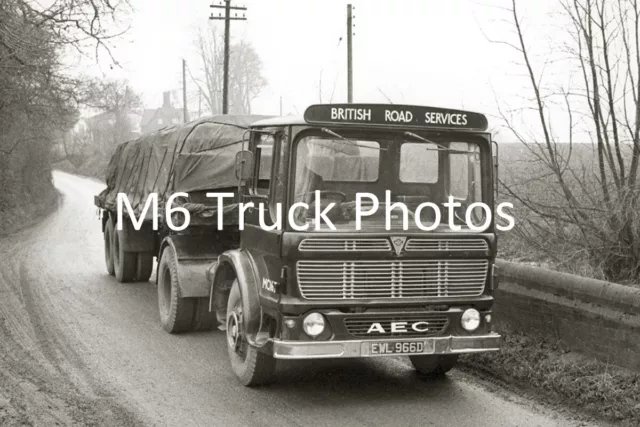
(264, 157)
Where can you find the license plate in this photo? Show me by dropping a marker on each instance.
(398, 347)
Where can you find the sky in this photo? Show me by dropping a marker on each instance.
(426, 52)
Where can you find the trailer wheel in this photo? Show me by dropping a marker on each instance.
(108, 247)
(144, 265)
(176, 313)
(124, 263)
(434, 365)
(251, 366)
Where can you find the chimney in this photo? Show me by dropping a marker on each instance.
(166, 103)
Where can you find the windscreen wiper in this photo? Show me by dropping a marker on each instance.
(440, 147)
(350, 141)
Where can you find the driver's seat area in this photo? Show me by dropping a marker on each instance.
(307, 184)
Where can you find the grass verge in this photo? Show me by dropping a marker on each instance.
(561, 377)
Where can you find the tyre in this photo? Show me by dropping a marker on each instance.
(144, 266)
(124, 263)
(108, 247)
(252, 367)
(203, 320)
(176, 313)
(434, 365)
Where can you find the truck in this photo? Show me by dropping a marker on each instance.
(353, 230)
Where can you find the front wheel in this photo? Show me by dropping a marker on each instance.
(434, 365)
(251, 366)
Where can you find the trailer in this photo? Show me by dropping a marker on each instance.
(319, 236)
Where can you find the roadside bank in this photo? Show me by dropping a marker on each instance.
(546, 369)
(24, 210)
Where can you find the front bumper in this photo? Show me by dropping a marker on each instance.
(361, 348)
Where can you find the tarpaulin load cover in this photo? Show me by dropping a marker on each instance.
(197, 156)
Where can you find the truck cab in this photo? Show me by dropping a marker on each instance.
(366, 231)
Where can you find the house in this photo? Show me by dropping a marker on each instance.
(101, 132)
(107, 121)
(167, 115)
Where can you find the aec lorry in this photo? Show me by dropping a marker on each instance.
(327, 235)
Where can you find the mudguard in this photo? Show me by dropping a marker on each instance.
(245, 271)
(194, 254)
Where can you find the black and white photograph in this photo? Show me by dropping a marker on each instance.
(320, 213)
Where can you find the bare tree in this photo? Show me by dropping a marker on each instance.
(39, 99)
(116, 101)
(211, 54)
(246, 79)
(245, 73)
(581, 200)
(33, 81)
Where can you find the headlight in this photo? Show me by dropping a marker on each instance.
(313, 324)
(470, 319)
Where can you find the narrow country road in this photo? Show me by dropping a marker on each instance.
(78, 348)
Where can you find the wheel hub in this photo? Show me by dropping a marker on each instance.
(234, 330)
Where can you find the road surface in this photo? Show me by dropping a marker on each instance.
(76, 347)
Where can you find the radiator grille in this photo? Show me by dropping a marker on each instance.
(345, 245)
(360, 325)
(391, 279)
(446, 245)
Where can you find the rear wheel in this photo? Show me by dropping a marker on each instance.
(108, 247)
(434, 365)
(251, 366)
(144, 266)
(124, 263)
(176, 313)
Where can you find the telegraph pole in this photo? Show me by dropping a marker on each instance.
(185, 112)
(227, 28)
(349, 54)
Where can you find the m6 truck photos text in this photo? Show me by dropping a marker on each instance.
(356, 230)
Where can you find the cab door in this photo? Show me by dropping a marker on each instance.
(264, 218)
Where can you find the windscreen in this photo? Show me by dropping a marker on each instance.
(398, 180)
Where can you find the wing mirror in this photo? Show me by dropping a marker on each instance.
(244, 165)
